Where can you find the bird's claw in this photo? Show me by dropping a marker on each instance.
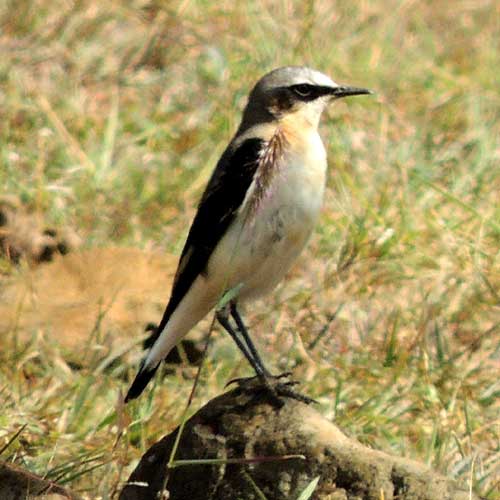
(273, 387)
(242, 380)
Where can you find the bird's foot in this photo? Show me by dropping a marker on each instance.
(276, 387)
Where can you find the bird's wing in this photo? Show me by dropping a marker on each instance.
(240, 166)
(219, 204)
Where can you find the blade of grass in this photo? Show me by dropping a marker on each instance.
(13, 438)
(110, 135)
(258, 491)
(237, 461)
(309, 489)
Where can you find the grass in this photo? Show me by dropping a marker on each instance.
(112, 117)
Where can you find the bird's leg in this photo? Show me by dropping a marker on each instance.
(246, 337)
(272, 383)
(263, 375)
(223, 318)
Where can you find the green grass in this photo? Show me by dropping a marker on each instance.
(112, 116)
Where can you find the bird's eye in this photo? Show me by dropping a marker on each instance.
(303, 89)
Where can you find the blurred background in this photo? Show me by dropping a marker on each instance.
(112, 116)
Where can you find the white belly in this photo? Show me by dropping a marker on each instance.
(257, 253)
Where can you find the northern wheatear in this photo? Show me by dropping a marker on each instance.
(255, 216)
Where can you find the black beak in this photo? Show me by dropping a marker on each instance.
(344, 91)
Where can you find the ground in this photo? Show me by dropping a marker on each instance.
(113, 115)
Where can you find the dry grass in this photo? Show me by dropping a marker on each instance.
(112, 115)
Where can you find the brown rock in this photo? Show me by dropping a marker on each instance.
(238, 425)
(18, 484)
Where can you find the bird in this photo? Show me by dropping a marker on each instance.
(255, 216)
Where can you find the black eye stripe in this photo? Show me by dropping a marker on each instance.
(309, 92)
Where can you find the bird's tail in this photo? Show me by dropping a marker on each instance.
(144, 375)
(165, 340)
(173, 326)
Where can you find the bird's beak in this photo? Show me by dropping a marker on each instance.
(344, 91)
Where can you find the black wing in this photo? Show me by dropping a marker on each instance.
(221, 200)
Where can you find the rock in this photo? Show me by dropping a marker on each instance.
(18, 484)
(240, 425)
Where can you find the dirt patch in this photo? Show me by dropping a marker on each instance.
(102, 297)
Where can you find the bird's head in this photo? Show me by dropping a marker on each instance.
(294, 91)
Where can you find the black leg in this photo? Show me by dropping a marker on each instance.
(246, 337)
(272, 385)
(222, 317)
